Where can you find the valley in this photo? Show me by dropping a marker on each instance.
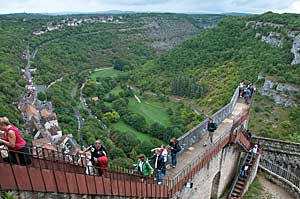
(149, 77)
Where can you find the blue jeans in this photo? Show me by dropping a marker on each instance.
(244, 173)
(174, 159)
(158, 175)
(163, 169)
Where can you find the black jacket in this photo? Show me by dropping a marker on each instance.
(175, 148)
(159, 161)
(211, 126)
(96, 153)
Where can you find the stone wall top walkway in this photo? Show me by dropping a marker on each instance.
(198, 148)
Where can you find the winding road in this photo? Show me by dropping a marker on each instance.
(86, 107)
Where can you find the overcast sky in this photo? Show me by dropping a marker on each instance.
(179, 6)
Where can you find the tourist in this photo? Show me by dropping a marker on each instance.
(175, 148)
(254, 150)
(241, 88)
(164, 154)
(143, 166)
(13, 140)
(244, 170)
(211, 127)
(99, 157)
(248, 134)
(158, 164)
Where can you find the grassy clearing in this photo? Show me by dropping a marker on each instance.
(104, 73)
(152, 110)
(123, 127)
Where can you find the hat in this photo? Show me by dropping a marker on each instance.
(141, 156)
(97, 142)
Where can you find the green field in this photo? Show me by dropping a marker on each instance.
(104, 73)
(152, 110)
(123, 127)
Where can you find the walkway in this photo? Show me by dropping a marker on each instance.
(198, 148)
(271, 190)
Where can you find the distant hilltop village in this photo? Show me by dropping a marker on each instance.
(51, 26)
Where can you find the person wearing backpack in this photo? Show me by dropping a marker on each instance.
(211, 127)
(175, 148)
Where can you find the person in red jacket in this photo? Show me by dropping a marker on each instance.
(99, 157)
(12, 138)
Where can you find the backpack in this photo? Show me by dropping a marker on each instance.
(215, 126)
(178, 147)
(212, 127)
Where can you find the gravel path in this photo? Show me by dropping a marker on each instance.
(272, 191)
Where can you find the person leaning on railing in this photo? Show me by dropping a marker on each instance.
(13, 140)
(99, 157)
(143, 166)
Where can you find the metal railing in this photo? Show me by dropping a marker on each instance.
(278, 145)
(190, 170)
(51, 159)
(280, 171)
(49, 172)
(252, 172)
(238, 174)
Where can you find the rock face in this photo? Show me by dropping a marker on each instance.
(272, 39)
(296, 47)
(281, 93)
(167, 32)
(257, 24)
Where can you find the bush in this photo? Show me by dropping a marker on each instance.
(116, 152)
(258, 109)
(111, 117)
(137, 121)
(42, 96)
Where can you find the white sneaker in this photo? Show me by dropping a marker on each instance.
(159, 183)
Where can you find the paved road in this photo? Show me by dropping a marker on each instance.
(86, 107)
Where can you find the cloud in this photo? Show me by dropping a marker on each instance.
(212, 6)
(137, 2)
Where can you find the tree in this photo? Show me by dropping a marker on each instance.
(127, 142)
(42, 96)
(121, 106)
(145, 148)
(119, 64)
(137, 121)
(157, 130)
(111, 117)
(116, 152)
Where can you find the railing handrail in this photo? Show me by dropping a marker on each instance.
(292, 178)
(189, 170)
(238, 174)
(201, 155)
(276, 140)
(61, 158)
